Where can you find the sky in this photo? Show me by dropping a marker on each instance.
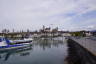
(70, 15)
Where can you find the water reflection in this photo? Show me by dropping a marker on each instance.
(5, 55)
(48, 43)
(42, 51)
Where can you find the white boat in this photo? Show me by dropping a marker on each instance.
(29, 40)
(5, 45)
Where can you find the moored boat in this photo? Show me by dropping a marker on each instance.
(29, 40)
(5, 45)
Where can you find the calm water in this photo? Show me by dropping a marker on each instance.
(41, 52)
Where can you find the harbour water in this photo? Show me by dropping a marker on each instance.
(42, 51)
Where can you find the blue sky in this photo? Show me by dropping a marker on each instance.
(32, 14)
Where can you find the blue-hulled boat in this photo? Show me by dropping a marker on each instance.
(5, 44)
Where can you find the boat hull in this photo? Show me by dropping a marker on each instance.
(12, 48)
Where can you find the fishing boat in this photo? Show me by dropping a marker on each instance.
(5, 44)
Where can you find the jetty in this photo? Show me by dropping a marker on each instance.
(87, 42)
(81, 50)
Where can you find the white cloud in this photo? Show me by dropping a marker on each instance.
(35, 13)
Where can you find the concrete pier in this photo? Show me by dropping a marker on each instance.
(87, 43)
(77, 54)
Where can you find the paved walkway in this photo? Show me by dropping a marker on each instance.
(89, 44)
